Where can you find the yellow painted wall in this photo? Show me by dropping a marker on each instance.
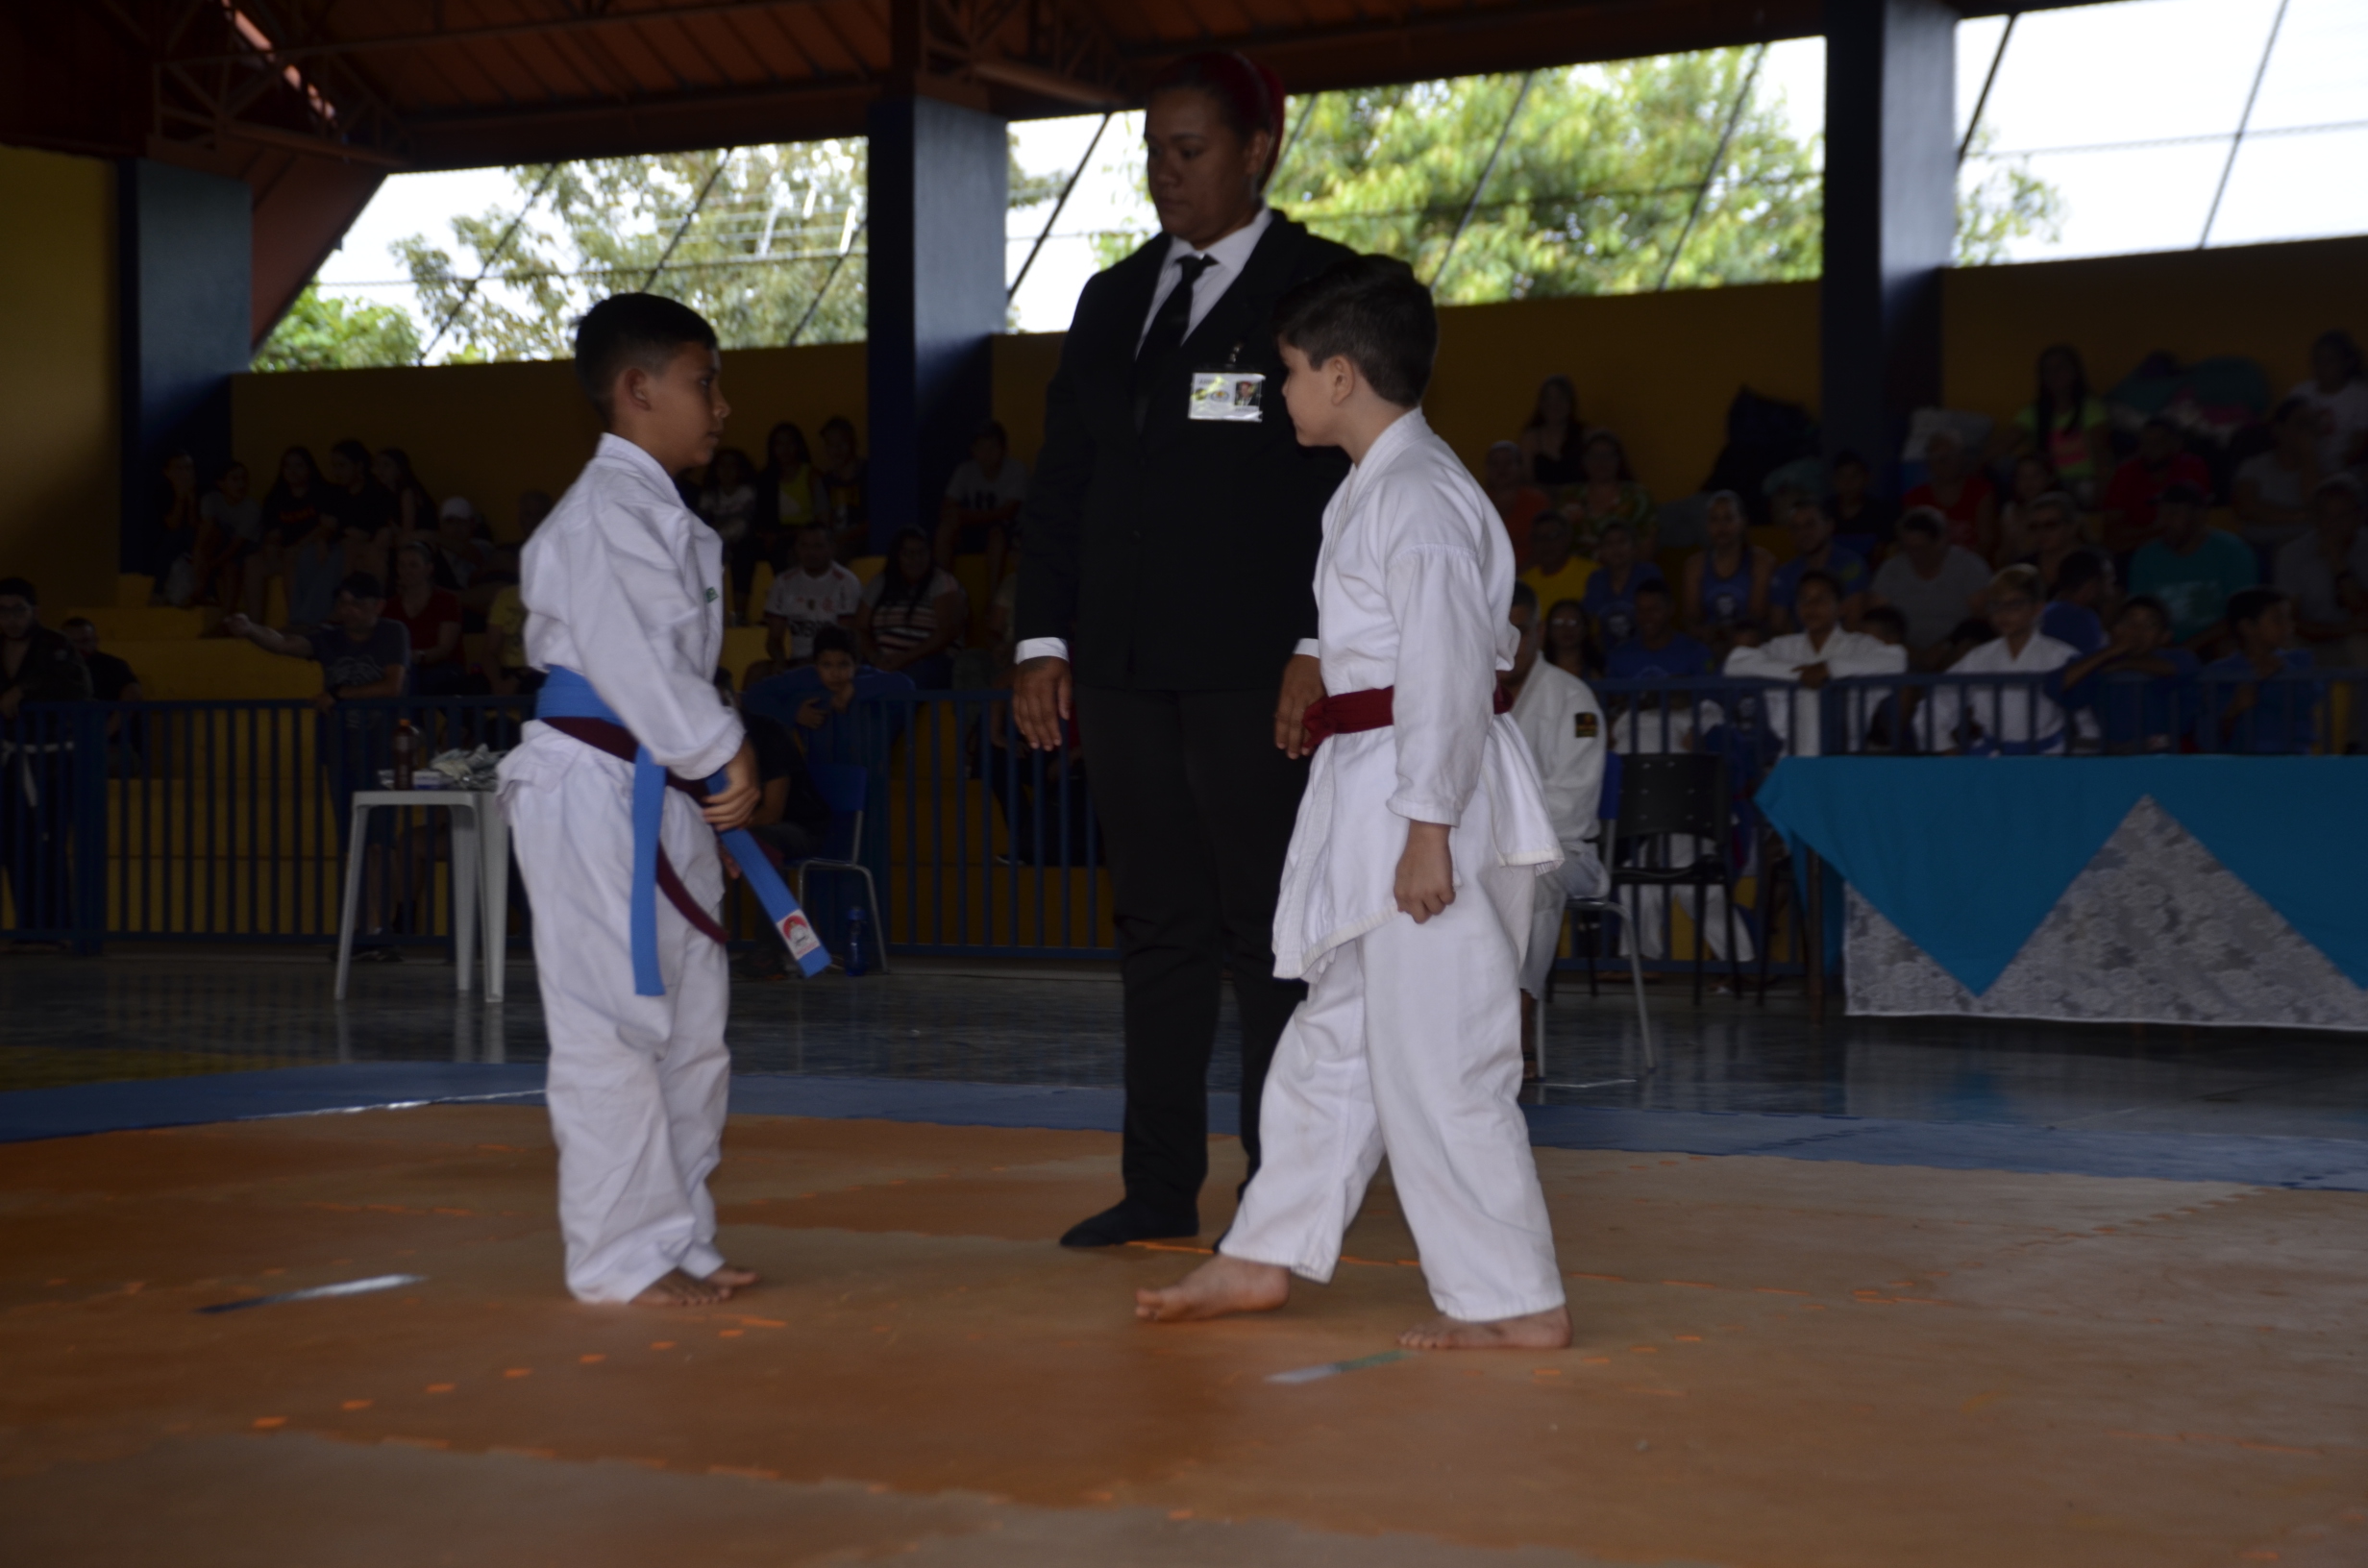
(58, 411)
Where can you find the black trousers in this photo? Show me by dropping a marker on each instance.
(1197, 807)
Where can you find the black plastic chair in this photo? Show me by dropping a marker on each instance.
(1598, 909)
(1680, 794)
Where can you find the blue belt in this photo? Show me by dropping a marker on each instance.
(567, 695)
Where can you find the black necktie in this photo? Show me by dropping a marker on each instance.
(1165, 333)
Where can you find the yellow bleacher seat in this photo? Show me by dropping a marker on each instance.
(759, 587)
(1774, 538)
(868, 566)
(743, 646)
(275, 602)
(147, 622)
(133, 588)
(220, 669)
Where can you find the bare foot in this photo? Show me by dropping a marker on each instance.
(1218, 1289)
(732, 1277)
(676, 1289)
(1537, 1331)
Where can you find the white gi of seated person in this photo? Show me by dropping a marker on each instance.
(1819, 652)
(621, 585)
(1558, 715)
(1408, 889)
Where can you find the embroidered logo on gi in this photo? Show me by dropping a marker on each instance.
(1585, 725)
(710, 595)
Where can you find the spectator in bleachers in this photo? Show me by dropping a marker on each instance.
(1559, 716)
(292, 514)
(820, 698)
(230, 528)
(172, 561)
(506, 617)
(413, 513)
(2337, 395)
(1556, 571)
(2140, 687)
(1933, 584)
(1550, 442)
(1518, 501)
(430, 621)
(1610, 597)
(2032, 492)
(1815, 549)
(111, 679)
(36, 665)
(1959, 492)
(2054, 535)
(911, 614)
(1821, 651)
(2274, 488)
(2192, 568)
(814, 593)
(1858, 512)
(2014, 718)
(845, 488)
(2131, 499)
(1725, 582)
(1570, 645)
(981, 509)
(1657, 651)
(2082, 592)
(364, 511)
(2065, 426)
(1885, 731)
(1609, 494)
(2263, 699)
(790, 494)
(726, 502)
(2327, 575)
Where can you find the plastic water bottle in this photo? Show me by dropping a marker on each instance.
(859, 959)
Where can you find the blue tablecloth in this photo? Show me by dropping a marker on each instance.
(1966, 856)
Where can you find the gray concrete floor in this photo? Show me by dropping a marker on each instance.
(164, 1011)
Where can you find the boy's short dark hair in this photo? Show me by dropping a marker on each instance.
(834, 640)
(75, 622)
(2249, 604)
(1833, 584)
(362, 585)
(2077, 571)
(2152, 605)
(632, 329)
(1656, 586)
(18, 588)
(1975, 630)
(837, 421)
(1885, 615)
(1525, 598)
(1372, 312)
(1924, 519)
(993, 430)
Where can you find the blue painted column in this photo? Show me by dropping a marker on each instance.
(1890, 216)
(184, 242)
(939, 176)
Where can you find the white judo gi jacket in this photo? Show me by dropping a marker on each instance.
(1412, 586)
(1798, 717)
(2019, 715)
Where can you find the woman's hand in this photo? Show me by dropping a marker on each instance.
(1425, 872)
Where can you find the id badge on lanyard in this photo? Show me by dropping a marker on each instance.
(1229, 396)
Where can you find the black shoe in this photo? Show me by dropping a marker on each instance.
(1131, 1220)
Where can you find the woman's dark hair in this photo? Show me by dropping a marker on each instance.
(724, 454)
(840, 422)
(895, 587)
(2043, 406)
(1590, 657)
(2249, 604)
(357, 453)
(1248, 95)
(834, 640)
(1619, 447)
(1833, 584)
(1536, 411)
(2344, 347)
(773, 468)
(406, 479)
(279, 495)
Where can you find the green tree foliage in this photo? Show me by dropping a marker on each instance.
(337, 335)
(2000, 201)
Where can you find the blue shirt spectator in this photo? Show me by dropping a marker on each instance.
(1814, 550)
(1610, 597)
(824, 703)
(2075, 625)
(2140, 687)
(1659, 651)
(2260, 699)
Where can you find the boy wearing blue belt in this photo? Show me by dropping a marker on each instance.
(623, 592)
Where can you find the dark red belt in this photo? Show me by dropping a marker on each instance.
(1351, 713)
(618, 742)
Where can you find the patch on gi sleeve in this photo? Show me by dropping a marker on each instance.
(1585, 725)
(710, 595)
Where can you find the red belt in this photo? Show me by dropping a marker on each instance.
(1351, 713)
(618, 742)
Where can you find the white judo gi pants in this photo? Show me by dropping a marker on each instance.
(1409, 1044)
(638, 1084)
(1580, 875)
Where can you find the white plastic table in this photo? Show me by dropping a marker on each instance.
(481, 878)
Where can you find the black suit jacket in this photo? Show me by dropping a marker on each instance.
(1182, 557)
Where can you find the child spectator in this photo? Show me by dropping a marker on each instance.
(2065, 426)
(820, 698)
(2337, 394)
(846, 487)
(815, 592)
(1820, 653)
(1858, 514)
(1558, 715)
(1610, 597)
(2326, 574)
(1885, 624)
(1657, 651)
(229, 527)
(1725, 582)
(1556, 572)
(2035, 484)
(1933, 584)
(1815, 549)
(1568, 646)
(173, 555)
(1959, 492)
(2274, 488)
(2259, 699)
(983, 503)
(1609, 494)
(911, 614)
(2011, 717)
(2131, 500)
(2139, 689)
(2193, 568)
(1516, 500)
(430, 618)
(1550, 442)
(728, 504)
(2084, 586)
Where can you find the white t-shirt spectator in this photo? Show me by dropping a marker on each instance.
(971, 489)
(241, 520)
(728, 511)
(809, 603)
(2344, 412)
(2300, 569)
(1932, 609)
(907, 622)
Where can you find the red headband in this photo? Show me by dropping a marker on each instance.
(1252, 91)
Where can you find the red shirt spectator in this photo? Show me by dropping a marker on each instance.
(1518, 501)
(2136, 492)
(1961, 492)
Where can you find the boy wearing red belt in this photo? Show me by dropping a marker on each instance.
(1406, 895)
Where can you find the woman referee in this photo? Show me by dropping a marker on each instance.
(1166, 591)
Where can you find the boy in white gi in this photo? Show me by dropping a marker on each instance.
(622, 587)
(1407, 892)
